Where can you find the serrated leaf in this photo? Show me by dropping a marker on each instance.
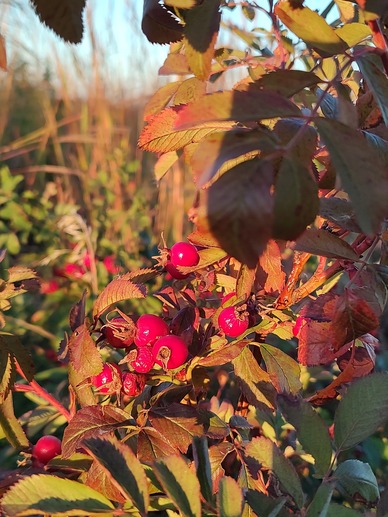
(270, 274)
(312, 431)
(242, 229)
(255, 382)
(123, 466)
(229, 498)
(271, 457)
(90, 422)
(201, 29)
(10, 425)
(309, 26)
(180, 484)
(158, 23)
(178, 422)
(7, 372)
(353, 478)
(284, 372)
(98, 479)
(161, 134)
(296, 199)
(153, 445)
(64, 18)
(372, 69)
(361, 170)
(250, 105)
(203, 467)
(325, 244)
(321, 501)
(80, 346)
(118, 290)
(41, 493)
(363, 408)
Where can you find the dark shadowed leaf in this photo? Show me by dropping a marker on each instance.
(123, 467)
(271, 457)
(245, 106)
(363, 408)
(309, 26)
(45, 494)
(361, 170)
(340, 212)
(159, 24)
(321, 500)
(229, 498)
(287, 82)
(64, 18)
(181, 484)
(336, 510)
(118, 290)
(296, 199)
(355, 479)
(282, 369)
(254, 381)
(323, 243)
(178, 423)
(312, 432)
(203, 467)
(78, 312)
(201, 30)
(371, 67)
(242, 229)
(90, 422)
(263, 504)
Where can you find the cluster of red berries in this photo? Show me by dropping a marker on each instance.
(232, 320)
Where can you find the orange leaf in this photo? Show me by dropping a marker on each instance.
(270, 274)
(118, 290)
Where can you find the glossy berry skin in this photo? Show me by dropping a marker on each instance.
(171, 349)
(184, 254)
(231, 323)
(174, 273)
(46, 448)
(149, 329)
(144, 360)
(133, 384)
(109, 332)
(104, 380)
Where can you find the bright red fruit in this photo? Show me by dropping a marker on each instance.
(231, 322)
(299, 323)
(170, 352)
(118, 333)
(144, 360)
(107, 380)
(184, 254)
(49, 286)
(46, 448)
(133, 384)
(174, 273)
(149, 329)
(74, 271)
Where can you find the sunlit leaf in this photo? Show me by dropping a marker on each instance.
(81, 345)
(282, 369)
(117, 290)
(270, 272)
(229, 498)
(11, 426)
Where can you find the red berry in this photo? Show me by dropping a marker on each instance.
(74, 271)
(110, 264)
(174, 273)
(149, 329)
(184, 254)
(107, 381)
(49, 286)
(231, 322)
(118, 333)
(170, 352)
(227, 297)
(46, 448)
(299, 323)
(133, 384)
(144, 360)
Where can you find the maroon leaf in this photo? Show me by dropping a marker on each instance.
(64, 18)
(159, 24)
(323, 243)
(153, 445)
(77, 313)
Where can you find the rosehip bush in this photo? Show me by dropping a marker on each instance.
(272, 401)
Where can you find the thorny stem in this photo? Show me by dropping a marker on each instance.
(34, 387)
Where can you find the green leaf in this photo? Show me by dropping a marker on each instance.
(319, 506)
(326, 244)
(7, 372)
(361, 411)
(264, 505)
(312, 431)
(282, 369)
(203, 467)
(10, 425)
(255, 382)
(373, 72)
(91, 421)
(361, 170)
(296, 199)
(229, 498)
(309, 26)
(122, 465)
(242, 229)
(379, 144)
(250, 105)
(271, 457)
(202, 24)
(53, 495)
(181, 484)
(355, 478)
(336, 510)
